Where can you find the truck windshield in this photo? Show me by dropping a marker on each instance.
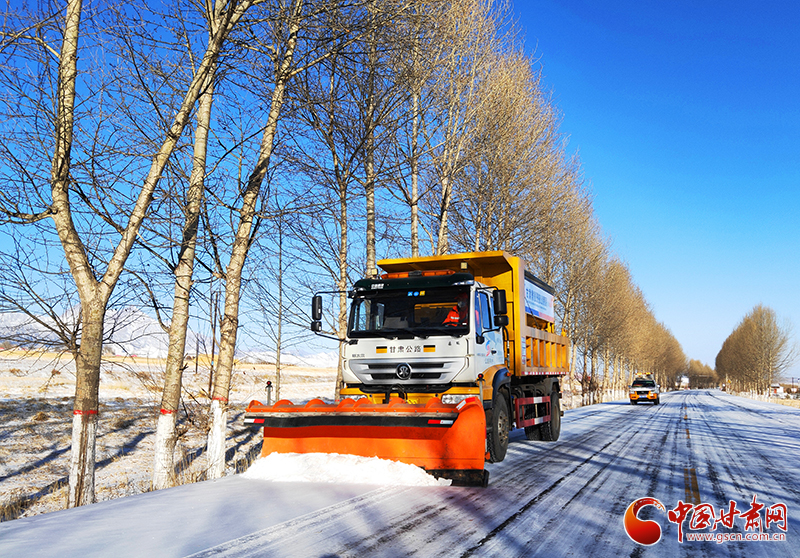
(644, 383)
(410, 313)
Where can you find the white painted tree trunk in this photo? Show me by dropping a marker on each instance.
(163, 460)
(217, 435)
(81, 471)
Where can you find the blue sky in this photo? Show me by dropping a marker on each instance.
(686, 116)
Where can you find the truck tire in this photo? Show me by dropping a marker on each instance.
(499, 426)
(551, 430)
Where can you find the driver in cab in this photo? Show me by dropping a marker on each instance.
(458, 313)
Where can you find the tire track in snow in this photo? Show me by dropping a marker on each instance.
(724, 457)
(734, 448)
(622, 437)
(569, 506)
(257, 544)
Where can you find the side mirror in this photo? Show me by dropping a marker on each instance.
(500, 321)
(500, 307)
(316, 308)
(316, 327)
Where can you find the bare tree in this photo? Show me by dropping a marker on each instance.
(93, 286)
(471, 31)
(417, 43)
(757, 352)
(701, 375)
(508, 195)
(326, 24)
(166, 434)
(345, 115)
(278, 292)
(329, 154)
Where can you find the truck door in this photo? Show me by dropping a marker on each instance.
(490, 351)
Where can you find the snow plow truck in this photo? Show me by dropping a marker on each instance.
(444, 355)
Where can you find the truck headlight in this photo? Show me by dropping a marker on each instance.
(451, 399)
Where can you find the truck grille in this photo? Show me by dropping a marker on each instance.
(384, 370)
(414, 376)
(393, 365)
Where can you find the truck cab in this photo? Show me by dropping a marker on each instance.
(422, 334)
(456, 327)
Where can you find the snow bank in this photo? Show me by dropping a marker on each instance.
(337, 468)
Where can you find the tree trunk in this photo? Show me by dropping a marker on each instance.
(415, 176)
(606, 379)
(372, 267)
(84, 414)
(241, 245)
(477, 245)
(341, 322)
(572, 367)
(279, 340)
(87, 359)
(369, 156)
(414, 155)
(163, 460)
(442, 245)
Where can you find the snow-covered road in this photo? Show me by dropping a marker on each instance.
(565, 498)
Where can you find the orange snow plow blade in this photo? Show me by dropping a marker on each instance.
(446, 440)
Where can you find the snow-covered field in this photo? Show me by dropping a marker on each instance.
(35, 424)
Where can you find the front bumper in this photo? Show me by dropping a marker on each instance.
(643, 396)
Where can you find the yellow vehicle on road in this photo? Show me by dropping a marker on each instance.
(443, 356)
(644, 389)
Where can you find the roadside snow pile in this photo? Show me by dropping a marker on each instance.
(337, 468)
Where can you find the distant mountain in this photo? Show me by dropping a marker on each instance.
(131, 332)
(317, 360)
(128, 331)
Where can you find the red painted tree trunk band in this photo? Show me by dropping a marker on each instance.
(167, 412)
(89, 412)
(223, 399)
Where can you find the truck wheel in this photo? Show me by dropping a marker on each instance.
(499, 427)
(552, 430)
